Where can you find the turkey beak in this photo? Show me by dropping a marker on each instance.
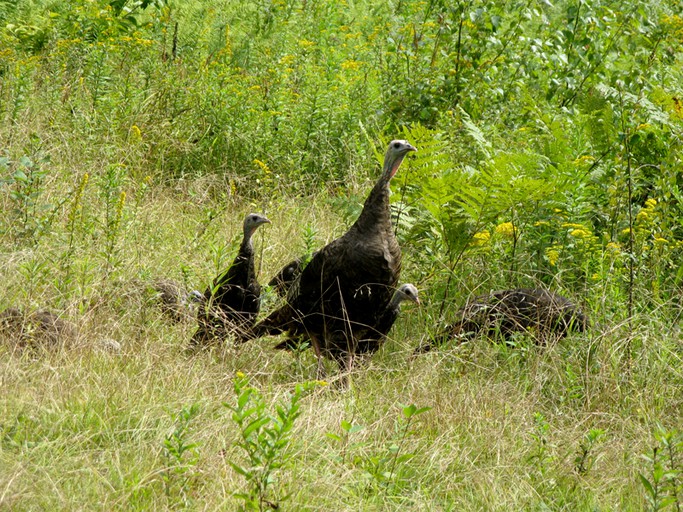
(417, 301)
(412, 148)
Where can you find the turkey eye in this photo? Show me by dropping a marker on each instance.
(397, 145)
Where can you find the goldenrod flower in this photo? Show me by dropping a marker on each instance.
(135, 134)
(351, 64)
(651, 203)
(481, 237)
(506, 229)
(553, 255)
(580, 233)
(264, 166)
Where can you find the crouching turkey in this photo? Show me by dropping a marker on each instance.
(509, 311)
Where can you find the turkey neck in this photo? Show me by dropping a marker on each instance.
(376, 215)
(395, 303)
(245, 256)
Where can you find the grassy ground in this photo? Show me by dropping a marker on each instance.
(84, 427)
(134, 140)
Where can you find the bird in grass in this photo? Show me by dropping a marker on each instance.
(347, 282)
(34, 329)
(232, 301)
(510, 311)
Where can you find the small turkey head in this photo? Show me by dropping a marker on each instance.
(253, 221)
(395, 154)
(405, 292)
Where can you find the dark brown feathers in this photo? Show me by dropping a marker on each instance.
(350, 280)
(371, 339)
(286, 276)
(510, 311)
(34, 329)
(232, 301)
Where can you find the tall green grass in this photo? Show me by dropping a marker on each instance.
(136, 135)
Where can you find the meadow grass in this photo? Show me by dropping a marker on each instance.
(84, 427)
(134, 142)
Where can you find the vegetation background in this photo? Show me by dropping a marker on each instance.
(135, 136)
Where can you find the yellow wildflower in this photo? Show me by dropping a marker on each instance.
(584, 158)
(661, 241)
(580, 233)
(351, 64)
(286, 60)
(264, 166)
(481, 237)
(651, 203)
(240, 375)
(135, 134)
(506, 229)
(553, 255)
(613, 246)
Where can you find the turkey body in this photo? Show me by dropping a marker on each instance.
(286, 276)
(173, 299)
(517, 310)
(340, 292)
(371, 338)
(33, 329)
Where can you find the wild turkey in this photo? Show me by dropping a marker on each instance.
(34, 329)
(232, 302)
(174, 300)
(347, 282)
(373, 338)
(510, 311)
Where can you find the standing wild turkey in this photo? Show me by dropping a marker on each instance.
(510, 311)
(232, 301)
(372, 339)
(347, 282)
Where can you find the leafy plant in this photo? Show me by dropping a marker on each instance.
(663, 485)
(586, 458)
(181, 456)
(343, 439)
(26, 184)
(388, 469)
(264, 438)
